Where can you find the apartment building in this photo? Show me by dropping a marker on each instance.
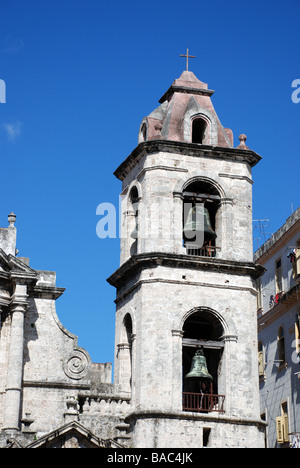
(279, 334)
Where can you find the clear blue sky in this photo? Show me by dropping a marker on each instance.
(81, 75)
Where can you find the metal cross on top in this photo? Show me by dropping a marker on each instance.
(187, 58)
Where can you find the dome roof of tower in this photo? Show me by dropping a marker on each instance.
(187, 99)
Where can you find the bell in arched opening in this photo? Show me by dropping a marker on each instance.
(199, 367)
(198, 228)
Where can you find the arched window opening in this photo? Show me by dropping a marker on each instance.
(201, 362)
(134, 195)
(201, 201)
(125, 354)
(199, 127)
(134, 198)
(128, 328)
(144, 132)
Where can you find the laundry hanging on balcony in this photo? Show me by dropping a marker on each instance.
(292, 255)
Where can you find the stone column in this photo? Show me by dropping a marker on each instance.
(129, 224)
(133, 366)
(225, 226)
(15, 362)
(177, 224)
(177, 370)
(124, 357)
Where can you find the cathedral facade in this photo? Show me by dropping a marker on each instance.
(186, 371)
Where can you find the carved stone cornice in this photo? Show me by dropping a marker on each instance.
(46, 292)
(15, 271)
(137, 262)
(185, 90)
(189, 149)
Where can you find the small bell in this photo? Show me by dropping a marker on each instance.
(199, 367)
(198, 226)
(135, 232)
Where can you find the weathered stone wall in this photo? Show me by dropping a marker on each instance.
(181, 431)
(160, 287)
(160, 304)
(161, 178)
(58, 377)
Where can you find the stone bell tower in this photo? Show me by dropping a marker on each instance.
(186, 281)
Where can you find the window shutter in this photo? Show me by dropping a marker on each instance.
(279, 427)
(285, 428)
(261, 363)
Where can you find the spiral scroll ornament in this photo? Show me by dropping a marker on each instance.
(77, 364)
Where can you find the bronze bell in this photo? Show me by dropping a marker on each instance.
(199, 367)
(135, 232)
(198, 220)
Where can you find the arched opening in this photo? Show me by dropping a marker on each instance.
(199, 127)
(128, 328)
(202, 346)
(134, 198)
(144, 132)
(125, 354)
(201, 201)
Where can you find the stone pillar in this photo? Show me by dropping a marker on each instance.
(15, 362)
(72, 413)
(177, 224)
(133, 366)
(225, 225)
(124, 357)
(177, 370)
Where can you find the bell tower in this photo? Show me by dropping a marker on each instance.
(186, 335)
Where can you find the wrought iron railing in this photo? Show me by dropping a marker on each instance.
(206, 251)
(203, 402)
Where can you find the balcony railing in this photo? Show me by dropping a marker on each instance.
(203, 402)
(205, 251)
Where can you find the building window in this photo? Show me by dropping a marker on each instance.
(259, 294)
(263, 417)
(282, 425)
(199, 127)
(201, 201)
(261, 362)
(294, 257)
(278, 276)
(281, 347)
(297, 335)
(297, 260)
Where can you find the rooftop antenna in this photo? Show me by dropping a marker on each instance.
(260, 225)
